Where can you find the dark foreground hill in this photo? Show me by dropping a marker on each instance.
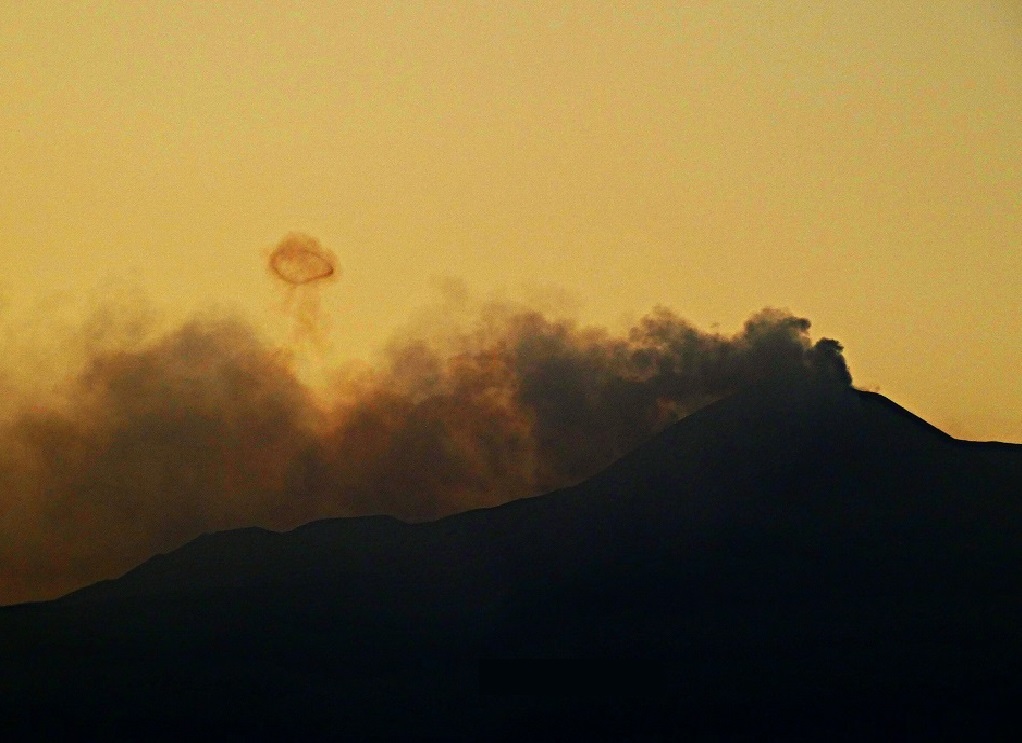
(800, 559)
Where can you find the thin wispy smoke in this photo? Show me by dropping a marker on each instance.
(206, 427)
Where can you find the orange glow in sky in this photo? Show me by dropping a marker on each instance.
(857, 162)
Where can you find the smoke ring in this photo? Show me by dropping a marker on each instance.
(300, 259)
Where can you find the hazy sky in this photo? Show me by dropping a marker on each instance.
(857, 162)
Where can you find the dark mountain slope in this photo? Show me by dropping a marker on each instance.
(799, 558)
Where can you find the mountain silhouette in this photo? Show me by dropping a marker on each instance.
(800, 559)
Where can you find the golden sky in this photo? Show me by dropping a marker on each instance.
(857, 162)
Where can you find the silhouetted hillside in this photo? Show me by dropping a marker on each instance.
(801, 558)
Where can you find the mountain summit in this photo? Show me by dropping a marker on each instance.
(800, 558)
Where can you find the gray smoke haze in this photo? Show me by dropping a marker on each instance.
(205, 427)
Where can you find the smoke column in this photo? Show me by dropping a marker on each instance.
(206, 427)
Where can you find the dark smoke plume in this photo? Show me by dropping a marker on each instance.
(206, 428)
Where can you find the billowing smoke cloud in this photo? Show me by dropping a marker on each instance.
(206, 427)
